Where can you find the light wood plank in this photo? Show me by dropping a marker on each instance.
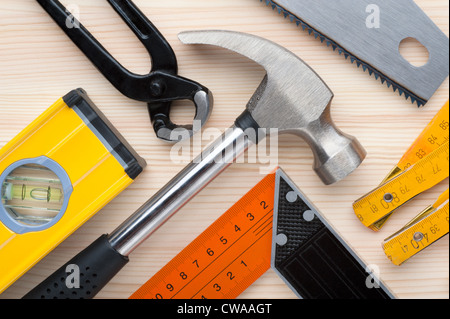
(39, 64)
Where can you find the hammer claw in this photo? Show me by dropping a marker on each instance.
(293, 99)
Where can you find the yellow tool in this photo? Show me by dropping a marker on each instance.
(55, 175)
(422, 167)
(425, 229)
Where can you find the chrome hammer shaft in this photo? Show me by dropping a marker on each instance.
(180, 190)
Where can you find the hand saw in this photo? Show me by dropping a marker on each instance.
(273, 224)
(423, 166)
(343, 25)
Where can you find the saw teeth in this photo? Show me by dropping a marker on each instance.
(372, 71)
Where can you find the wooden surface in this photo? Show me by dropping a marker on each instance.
(38, 64)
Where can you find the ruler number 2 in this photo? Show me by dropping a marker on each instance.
(264, 205)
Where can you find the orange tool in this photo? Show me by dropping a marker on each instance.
(227, 258)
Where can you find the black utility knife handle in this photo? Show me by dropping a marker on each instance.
(97, 265)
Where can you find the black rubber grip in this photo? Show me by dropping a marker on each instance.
(84, 275)
(247, 123)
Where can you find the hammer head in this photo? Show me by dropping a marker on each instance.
(293, 99)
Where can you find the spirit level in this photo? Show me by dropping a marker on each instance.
(55, 175)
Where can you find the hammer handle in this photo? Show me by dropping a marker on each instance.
(179, 191)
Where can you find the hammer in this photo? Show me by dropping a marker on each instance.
(291, 98)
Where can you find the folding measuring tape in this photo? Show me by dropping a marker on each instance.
(272, 225)
(55, 175)
(423, 166)
(427, 228)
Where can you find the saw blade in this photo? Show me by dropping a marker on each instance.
(346, 26)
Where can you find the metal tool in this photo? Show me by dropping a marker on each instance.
(235, 251)
(159, 88)
(291, 98)
(375, 47)
(55, 175)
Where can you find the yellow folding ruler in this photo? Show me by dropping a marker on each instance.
(423, 166)
(427, 228)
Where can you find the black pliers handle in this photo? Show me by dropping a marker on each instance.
(159, 88)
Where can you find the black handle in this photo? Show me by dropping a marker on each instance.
(83, 276)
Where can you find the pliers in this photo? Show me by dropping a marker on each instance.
(159, 88)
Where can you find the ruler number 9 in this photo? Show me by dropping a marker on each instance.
(168, 287)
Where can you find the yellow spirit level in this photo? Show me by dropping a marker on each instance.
(55, 175)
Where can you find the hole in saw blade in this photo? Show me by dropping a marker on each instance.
(414, 52)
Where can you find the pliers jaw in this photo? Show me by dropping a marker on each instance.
(160, 87)
(166, 130)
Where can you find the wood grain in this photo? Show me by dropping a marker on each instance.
(38, 64)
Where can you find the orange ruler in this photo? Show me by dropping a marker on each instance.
(227, 258)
